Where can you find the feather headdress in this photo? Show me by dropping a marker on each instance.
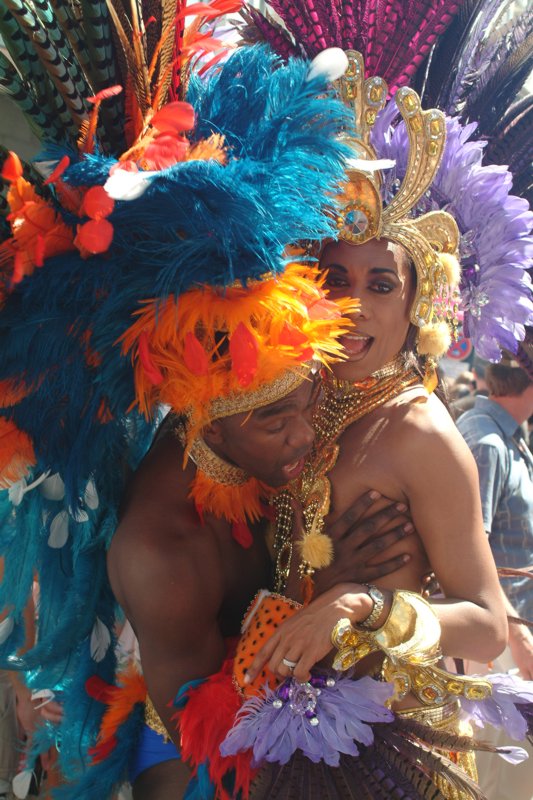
(158, 177)
(471, 60)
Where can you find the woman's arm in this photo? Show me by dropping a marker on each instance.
(442, 487)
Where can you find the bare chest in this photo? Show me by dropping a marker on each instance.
(369, 458)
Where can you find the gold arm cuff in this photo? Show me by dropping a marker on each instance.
(411, 631)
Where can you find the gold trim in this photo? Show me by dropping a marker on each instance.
(214, 466)
(153, 720)
(266, 394)
(436, 717)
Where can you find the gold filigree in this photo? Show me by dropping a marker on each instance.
(269, 393)
(362, 215)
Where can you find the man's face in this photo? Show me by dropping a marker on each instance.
(271, 443)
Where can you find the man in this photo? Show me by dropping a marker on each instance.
(458, 407)
(493, 431)
(184, 563)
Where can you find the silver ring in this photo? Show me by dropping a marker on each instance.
(289, 664)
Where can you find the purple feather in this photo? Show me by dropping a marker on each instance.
(322, 721)
(509, 707)
(496, 246)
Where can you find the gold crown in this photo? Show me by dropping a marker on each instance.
(361, 213)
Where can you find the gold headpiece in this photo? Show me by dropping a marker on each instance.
(431, 240)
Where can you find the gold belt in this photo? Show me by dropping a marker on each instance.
(153, 720)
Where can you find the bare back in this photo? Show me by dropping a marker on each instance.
(183, 583)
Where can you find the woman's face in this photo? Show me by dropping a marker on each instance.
(378, 273)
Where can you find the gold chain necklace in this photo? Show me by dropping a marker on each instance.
(342, 404)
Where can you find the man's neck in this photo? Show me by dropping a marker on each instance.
(519, 406)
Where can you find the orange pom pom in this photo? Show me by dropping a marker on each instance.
(95, 236)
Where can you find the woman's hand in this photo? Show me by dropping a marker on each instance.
(305, 638)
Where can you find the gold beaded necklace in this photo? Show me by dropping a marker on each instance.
(342, 404)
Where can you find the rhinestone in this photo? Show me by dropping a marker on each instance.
(277, 703)
(357, 221)
(313, 721)
(330, 683)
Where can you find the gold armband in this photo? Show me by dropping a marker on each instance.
(410, 640)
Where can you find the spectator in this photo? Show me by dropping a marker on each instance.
(463, 403)
(493, 430)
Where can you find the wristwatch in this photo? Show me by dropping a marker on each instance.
(379, 601)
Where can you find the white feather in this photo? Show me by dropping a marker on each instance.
(370, 165)
(330, 64)
(6, 628)
(53, 487)
(16, 492)
(21, 783)
(100, 640)
(78, 515)
(59, 530)
(125, 185)
(91, 496)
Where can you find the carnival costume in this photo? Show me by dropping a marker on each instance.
(307, 739)
(142, 263)
(93, 261)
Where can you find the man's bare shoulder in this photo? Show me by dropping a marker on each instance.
(160, 545)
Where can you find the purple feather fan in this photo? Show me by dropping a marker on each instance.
(322, 718)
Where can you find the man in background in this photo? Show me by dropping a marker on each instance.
(493, 429)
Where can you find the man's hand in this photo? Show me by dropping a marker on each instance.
(521, 646)
(358, 538)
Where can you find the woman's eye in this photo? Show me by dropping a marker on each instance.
(382, 287)
(335, 283)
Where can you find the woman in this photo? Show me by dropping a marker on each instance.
(378, 425)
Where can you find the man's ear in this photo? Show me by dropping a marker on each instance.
(213, 433)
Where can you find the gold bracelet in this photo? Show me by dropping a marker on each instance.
(352, 645)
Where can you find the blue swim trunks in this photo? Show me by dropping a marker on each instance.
(152, 749)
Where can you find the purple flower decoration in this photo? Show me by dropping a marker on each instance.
(322, 718)
(496, 248)
(510, 707)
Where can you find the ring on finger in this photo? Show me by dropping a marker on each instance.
(288, 663)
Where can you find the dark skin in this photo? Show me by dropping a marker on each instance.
(185, 585)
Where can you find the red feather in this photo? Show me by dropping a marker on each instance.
(58, 171)
(194, 356)
(174, 117)
(12, 169)
(242, 534)
(291, 337)
(244, 354)
(98, 689)
(152, 372)
(204, 722)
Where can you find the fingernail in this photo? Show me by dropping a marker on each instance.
(401, 507)
(374, 495)
(247, 679)
(408, 527)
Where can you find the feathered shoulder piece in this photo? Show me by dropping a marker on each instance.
(162, 175)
